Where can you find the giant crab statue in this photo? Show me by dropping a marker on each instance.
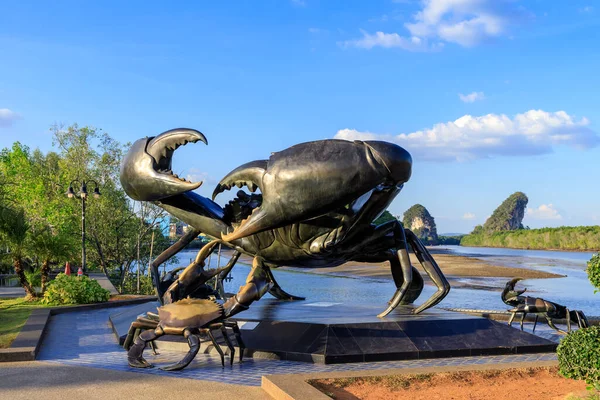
(535, 305)
(315, 209)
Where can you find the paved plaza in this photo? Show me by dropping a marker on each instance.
(85, 339)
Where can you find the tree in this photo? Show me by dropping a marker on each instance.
(47, 230)
(50, 246)
(15, 232)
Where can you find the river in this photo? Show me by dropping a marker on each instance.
(574, 290)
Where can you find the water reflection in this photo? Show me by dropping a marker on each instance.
(574, 290)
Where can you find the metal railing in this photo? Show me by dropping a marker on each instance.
(9, 280)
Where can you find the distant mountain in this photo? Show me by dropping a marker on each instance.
(452, 234)
(507, 217)
(420, 221)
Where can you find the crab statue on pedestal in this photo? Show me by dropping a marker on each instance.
(315, 209)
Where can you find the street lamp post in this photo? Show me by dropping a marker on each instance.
(83, 195)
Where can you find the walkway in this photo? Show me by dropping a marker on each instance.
(11, 292)
(104, 282)
(85, 339)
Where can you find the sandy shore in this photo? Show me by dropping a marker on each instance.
(455, 267)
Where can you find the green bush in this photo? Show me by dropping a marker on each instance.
(593, 271)
(579, 356)
(67, 289)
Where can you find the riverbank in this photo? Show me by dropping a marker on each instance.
(456, 268)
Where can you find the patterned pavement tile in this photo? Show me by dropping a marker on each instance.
(86, 339)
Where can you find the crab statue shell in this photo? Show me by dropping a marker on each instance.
(194, 313)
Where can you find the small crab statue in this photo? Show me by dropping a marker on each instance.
(534, 305)
(189, 317)
(315, 209)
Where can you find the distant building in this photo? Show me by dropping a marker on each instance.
(176, 230)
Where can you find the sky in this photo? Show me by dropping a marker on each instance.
(489, 96)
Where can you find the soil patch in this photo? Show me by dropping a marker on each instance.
(524, 383)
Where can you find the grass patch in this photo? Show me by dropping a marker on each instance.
(13, 314)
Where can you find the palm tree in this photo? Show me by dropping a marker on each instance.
(49, 246)
(14, 228)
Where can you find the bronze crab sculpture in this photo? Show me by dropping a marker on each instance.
(536, 305)
(315, 209)
(190, 318)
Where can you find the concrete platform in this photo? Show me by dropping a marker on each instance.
(330, 333)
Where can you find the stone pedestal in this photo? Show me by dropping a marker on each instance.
(330, 333)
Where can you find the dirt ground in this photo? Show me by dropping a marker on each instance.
(521, 384)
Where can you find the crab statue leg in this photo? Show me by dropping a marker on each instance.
(551, 325)
(166, 255)
(226, 270)
(135, 354)
(512, 317)
(194, 344)
(257, 284)
(192, 276)
(406, 268)
(228, 343)
(238, 336)
(387, 242)
(135, 330)
(432, 269)
(523, 319)
(582, 321)
(276, 290)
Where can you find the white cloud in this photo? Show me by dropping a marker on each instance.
(390, 40)
(315, 30)
(464, 22)
(469, 137)
(300, 3)
(7, 117)
(196, 175)
(544, 212)
(471, 97)
(586, 9)
(469, 216)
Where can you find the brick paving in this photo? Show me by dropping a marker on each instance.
(86, 339)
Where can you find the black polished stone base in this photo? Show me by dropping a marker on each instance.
(332, 333)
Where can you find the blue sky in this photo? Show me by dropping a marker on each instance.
(490, 97)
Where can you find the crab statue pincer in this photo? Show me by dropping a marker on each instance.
(315, 209)
(189, 318)
(534, 305)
